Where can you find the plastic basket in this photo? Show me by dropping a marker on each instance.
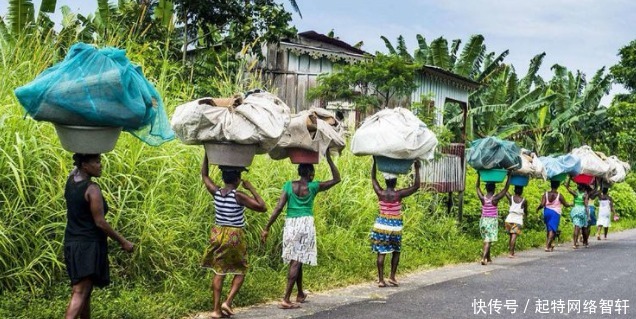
(492, 175)
(230, 154)
(88, 139)
(519, 180)
(392, 165)
(303, 156)
(583, 179)
(559, 178)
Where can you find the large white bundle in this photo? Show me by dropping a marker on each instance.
(591, 163)
(315, 129)
(394, 133)
(619, 169)
(531, 165)
(261, 119)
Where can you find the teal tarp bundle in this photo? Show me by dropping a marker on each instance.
(92, 87)
(561, 164)
(492, 152)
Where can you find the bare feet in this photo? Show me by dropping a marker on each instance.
(575, 246)
(393, 282)
(381, 284)
(216, 315)
(227, 310)
(598, 237)
(483, 262)
(288, 305)
(301, 297)
(512, 256)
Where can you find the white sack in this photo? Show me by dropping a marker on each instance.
(591, 163)
(394, 133)
(531, 165)
(298, 134)
(620, 169)
(261, 119)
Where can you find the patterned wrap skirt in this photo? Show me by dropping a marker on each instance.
(87, 259)
(513, 228)
(579, 217)
(551, 219)
(227, 253)
(488, 227)
(299, 240)
(386, 235)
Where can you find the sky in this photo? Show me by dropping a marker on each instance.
(579, 34)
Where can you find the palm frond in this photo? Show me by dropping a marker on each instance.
(533, 68)
(454, 48)
(47, 6)
(439, 53)
(470, 53)
(402, 50)
(491, 67)
(294, 6)
(20, 15)
(421, 54)
(388, 45)
(164, 12)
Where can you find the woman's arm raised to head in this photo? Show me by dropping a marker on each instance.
(335, 174)
(255, 203)
(205, 176)
(416, 182)
(374, 179)
(504, 191)
(479, 193)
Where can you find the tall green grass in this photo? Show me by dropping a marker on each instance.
(157, 200)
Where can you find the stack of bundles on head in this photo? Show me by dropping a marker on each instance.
(395, 133)
(260, 119)
(591, 163)
(93, 87)
(313, 130)
(617, 169)
(494, 153)
(531, 165)
(395, 137)
(564, 164)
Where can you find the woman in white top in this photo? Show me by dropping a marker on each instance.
(514, 220)
(605, 211)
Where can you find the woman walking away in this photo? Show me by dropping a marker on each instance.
(514, 220)
(85, 246)
(580, 214)
(386, 235)
(552, 203)
(488, 224)
(227, 253)
(299, 233)
(605, 212)
(592, 194)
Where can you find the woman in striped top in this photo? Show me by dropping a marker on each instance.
(386, 235)
(488, 223)
(227, 253)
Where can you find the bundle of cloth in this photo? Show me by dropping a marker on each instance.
(260, 118)
(564, 164)
(395, 133)
(315, 130)
(591, 163)
(531, 165)
(617, 169)
(494, 153)
(97, 87)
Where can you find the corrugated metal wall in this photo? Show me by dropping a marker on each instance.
(445, 174)
(441, 90)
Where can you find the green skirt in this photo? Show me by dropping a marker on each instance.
(227, 253)
(488, 227)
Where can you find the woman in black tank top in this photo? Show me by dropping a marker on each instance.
(85, 247)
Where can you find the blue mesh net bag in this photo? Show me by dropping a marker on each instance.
(92, 87)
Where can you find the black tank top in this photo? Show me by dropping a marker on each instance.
(80, 225)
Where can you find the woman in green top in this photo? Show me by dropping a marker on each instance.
(580, 213)
(299, 234)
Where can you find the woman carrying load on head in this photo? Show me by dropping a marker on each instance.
(580, 213)
(488, 223)
(592, 194)
(386, 235)
(227, 253)
(552, 203)
(299, 232)
(605, 212)
(85, 244)
(514, 220)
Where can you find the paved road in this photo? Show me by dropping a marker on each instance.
(536, 284)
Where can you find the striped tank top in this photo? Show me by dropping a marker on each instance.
(488, 209)
(391, 209)
(228, 212)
